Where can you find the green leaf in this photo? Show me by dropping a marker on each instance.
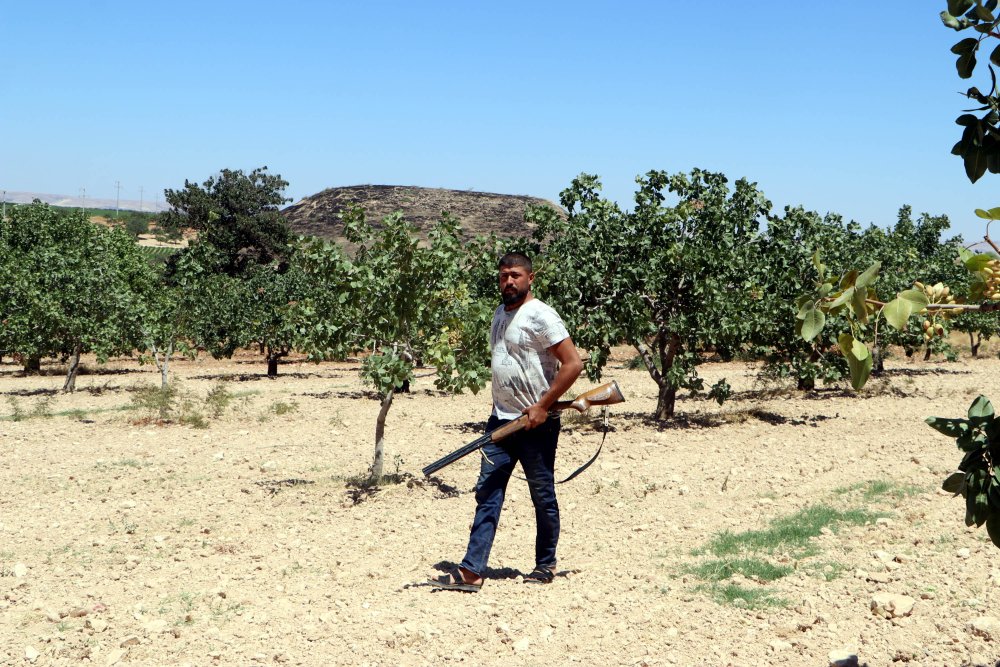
(975, 263)
(995, 56)
(992, 214)
(868, 277)
(858, 304)
(981, 410)
(965, 64)
(844, 297)
(848, 279)
(950, 427)
(820, 269)
(916, 297)
(897, 312)
(983, 14)
(858, 357)
(860, 370)
(954, 483)
(959, 7)
(812, 324)
(965, 46)
(993, 528)
(975, 163)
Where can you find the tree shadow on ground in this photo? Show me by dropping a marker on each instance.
(684, 421)
(253, 377)
(354, 395)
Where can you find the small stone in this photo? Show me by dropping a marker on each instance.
(128, 504)
(52, 616)
(114, 656)
(521, 645)
(20, 569)
(986, 627)
(965, 552)
(131, 640)
(219, 456)
(268, 466)
(96, 624)
(31, 653)
(683, 491)
(779, 645)
(891, 605)
(883, 521)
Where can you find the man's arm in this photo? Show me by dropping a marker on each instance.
(570, 366)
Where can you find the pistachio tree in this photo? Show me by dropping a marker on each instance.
(402, 304)
(69, 287)
(672, 279)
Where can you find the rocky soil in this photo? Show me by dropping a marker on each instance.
(234, 539)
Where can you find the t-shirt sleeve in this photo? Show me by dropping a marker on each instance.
(549, 327)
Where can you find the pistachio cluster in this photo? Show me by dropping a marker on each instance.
(991, 277)
(938, 293)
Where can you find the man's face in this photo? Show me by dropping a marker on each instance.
(515, 283)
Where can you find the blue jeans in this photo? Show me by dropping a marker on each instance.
(536, 450)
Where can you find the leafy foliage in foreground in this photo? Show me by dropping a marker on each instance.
(977, 479)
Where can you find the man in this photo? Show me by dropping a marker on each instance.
(534, 362)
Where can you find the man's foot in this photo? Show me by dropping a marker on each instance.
(542, 574)
(460, 579)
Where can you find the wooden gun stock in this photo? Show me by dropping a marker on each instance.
(606, 394)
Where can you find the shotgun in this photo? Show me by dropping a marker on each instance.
(606, 394)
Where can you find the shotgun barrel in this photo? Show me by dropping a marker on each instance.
(606, 394)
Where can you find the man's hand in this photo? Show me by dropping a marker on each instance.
(569, 370)
(536, 415)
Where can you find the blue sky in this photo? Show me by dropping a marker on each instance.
(845, 107)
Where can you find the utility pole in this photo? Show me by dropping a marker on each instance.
(140, 199)
(118, 192)
(4, 214)
(83, 200)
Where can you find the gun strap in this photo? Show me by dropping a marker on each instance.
(604, 421)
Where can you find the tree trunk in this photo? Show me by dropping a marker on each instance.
(165, 373)
(74, 367)
(670, 345)
(806, 383)
(32, 365)
(927, 353)
(666, 398)
(974, 344)
(163, 365)
(878, 362)
(378, 463)
(272, 361)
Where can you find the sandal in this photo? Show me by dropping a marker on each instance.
(540, 575)
(454, 581)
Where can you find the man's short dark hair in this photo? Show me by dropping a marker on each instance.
(515, 259)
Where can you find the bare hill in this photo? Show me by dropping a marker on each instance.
(478, 212)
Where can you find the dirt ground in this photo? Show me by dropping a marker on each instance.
(232, 539)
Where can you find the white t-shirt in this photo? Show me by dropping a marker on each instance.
(523, 367)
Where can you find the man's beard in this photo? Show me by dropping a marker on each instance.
(513, 296)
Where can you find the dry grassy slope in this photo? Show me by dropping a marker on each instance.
(478, 212)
